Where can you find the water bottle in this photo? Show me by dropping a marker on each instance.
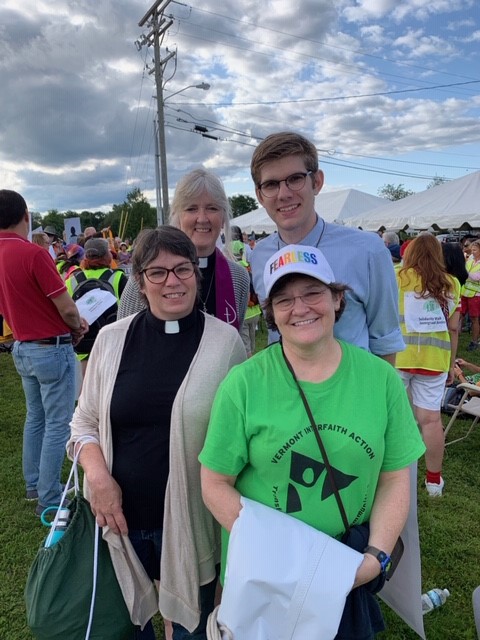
(434, 599)
(62, 523)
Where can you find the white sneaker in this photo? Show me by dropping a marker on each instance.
(435, 490)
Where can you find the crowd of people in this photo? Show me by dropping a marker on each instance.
(184, 422)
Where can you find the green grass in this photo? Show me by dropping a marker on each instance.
(448, 527)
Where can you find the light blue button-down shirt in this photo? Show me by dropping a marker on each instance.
(360, 260)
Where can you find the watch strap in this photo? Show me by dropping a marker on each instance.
(383, 558)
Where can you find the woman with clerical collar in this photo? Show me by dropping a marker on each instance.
(201, 209)
(146, 401)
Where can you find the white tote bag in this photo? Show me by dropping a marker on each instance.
(284, 579)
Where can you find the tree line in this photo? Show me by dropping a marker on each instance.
(134, 214)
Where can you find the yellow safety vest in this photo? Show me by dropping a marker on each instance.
(430, 351)
(471, 287)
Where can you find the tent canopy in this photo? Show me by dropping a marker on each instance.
(450, 205)
(331, 205)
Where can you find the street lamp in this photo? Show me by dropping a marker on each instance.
(162, 147)
(203, 85)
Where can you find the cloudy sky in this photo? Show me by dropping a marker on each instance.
(389, 91)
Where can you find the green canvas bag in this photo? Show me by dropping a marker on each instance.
(61, 581)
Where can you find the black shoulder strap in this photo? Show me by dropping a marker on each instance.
(106, 275)
(321, 446)
(79, 277)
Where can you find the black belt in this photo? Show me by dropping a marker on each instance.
(56, 340)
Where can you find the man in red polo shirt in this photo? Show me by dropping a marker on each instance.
(45, 323)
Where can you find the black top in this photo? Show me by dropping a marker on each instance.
(152, 368)
(207, 300)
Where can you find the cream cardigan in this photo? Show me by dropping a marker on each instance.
(191, 536)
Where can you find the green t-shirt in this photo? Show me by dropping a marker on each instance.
(259, 431)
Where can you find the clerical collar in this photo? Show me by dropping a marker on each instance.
(209, 261)
(169, 327)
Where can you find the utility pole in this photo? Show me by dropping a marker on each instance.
(158, 192)
(158, 26)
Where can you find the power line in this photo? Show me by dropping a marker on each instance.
(356, 68)
(213, 126)
(331, 46)
(334, 98)
(425, 164)
(324, 159)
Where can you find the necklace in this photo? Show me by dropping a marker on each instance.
(315, 245)
(204, 302)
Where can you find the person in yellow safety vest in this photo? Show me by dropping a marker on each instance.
(97, 261)
(253, 312)
(252, 315)
(429, 317)
(471, 293)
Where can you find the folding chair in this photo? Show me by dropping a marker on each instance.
(469, 404)
(476, 608)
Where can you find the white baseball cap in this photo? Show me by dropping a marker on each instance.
(297, 258)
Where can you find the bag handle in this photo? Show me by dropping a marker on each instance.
(74, 474)
(320, 445)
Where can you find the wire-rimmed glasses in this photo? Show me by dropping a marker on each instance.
(295, 182)
(310, 298)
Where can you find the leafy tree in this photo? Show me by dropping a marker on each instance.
(92, 219)
(134, 214)
(392, 192)
(242, 204)
(54, 219)
(436, 181)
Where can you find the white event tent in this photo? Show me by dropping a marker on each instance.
(333, 206)
(446, 206)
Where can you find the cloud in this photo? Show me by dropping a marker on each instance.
(365, 10)
(77, 108)
(416, 44)
(473, 37)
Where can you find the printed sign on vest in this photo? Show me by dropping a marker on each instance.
(423, 315)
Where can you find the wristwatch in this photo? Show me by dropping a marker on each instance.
(382, 557)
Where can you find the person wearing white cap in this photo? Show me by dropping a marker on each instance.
(261, 441)
(287, 178)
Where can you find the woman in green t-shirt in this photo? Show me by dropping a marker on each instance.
(260, 443)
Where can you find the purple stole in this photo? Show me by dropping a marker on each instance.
(226, 309)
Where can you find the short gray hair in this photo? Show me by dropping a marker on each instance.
(390, 237)
(191, 186)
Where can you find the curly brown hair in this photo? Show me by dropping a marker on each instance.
(425, 256)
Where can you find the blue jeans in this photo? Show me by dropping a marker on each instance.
(48, 379)
(148, 547)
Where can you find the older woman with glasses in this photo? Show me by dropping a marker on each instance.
(261, 441)
(201, 209)
(146, 402)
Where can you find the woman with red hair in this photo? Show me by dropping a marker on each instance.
(428, 306)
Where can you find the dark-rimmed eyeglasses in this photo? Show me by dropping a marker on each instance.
(159, 275)
(295, 182)
(310, 298)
